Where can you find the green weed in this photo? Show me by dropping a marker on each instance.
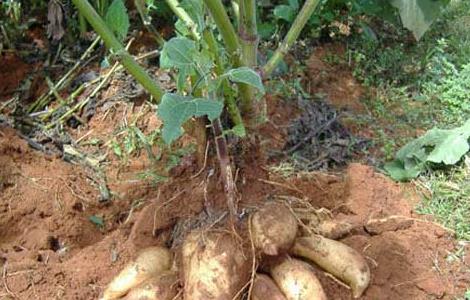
(448, 198)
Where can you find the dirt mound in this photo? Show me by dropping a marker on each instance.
(50, 249)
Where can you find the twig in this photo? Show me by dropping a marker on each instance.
(81, 104)
(161, 206)
(312, 134)
(5, 284)
(115, 68)
(8, 102)
(83, 136)
(253, 265)
(280, 185)
(205, 162)
(60, 84)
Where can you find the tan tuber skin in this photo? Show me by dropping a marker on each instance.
(334, 230)
(297, 280)
(162, 287)
(265, 288)
(274, 229)
(148, 264)
(214, 266)
(337, 259)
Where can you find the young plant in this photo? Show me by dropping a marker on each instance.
(207, 69)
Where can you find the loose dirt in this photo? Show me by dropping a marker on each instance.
(58, 241)
(51, 250)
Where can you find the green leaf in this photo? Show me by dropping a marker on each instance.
(116, 149)
(452, 147)
(398, 172)
(117, 19)
(245, 75)
(437, 146)
(285, 12)
(239, 130)
(175, 110)
(418, 15)
(98, 221)
(380, 8)
(266, 30)
(294, 4)
(195, 10)
(178, 52)
(181, 28)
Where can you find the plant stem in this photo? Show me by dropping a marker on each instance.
(225, 168)
(183, 15)
(221, 19)
(236, 10)
(248, 35)
(116, 47)
(248, 32)
(82, 25)
(232, 108)
(102, 7)
(146, 20)
(294, 32)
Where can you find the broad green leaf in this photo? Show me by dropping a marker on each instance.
(450, 149)
(181, 28)
(178, 52)
(195, 10)
(165, 62)
(175, 110)
(379, 8)
(437, 146)
(294, 4)
(266, 30)
(285, 12)
(398, 172)
(117, 19)
(246, 75)
(182, 79)
(418, 15)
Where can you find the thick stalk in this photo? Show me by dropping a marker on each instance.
(197, 128)
(294, 32)
(248, 32)
(236, 10)
(82, 26)
(183, 15)
(248, 35)
(221, 19)
(225, 168)
(116, 47)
